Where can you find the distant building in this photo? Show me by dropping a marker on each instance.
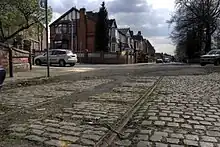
(74, 30)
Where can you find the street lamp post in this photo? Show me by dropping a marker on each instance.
(44, 5)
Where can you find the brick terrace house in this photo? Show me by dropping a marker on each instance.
(74, 30)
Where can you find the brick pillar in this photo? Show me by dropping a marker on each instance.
(82, 30)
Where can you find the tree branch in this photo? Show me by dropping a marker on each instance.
(19, 30)
(1, 29)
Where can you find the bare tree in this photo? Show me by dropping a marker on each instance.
(201, 16)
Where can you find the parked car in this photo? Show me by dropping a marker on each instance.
(57, 56)
(166, 60)
(159, 61)
(212, 57)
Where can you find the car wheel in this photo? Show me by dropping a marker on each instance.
(72, 64)
(217, 62)
(202, 64)
(62, 63)
(38, 62)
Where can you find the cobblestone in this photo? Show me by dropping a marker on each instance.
(29, 96)
(144, 143)
(186, 108)
(35, 138)
(72, 130)
(173, 140)
(123, 143)
(206, 144)
(209, 139)
(76, 125)
(129, 97)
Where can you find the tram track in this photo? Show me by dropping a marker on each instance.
(111, 135)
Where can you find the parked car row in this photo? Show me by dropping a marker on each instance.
(57, 56)
(165, 60)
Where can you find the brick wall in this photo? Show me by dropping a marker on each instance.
(108, 58)
(4, 57)
(20, 60)
(91, 25)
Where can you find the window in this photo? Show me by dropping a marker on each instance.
(69, 52)
(61, 28)
(70, 28)
(113, 48)
(55, 52)
(61, 52)
(57, 44)
(64, 28)
(113, 32)
(116, 33)
(211, 52)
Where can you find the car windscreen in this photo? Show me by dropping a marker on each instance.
(211, 53)
(69, 52)
(218, 52)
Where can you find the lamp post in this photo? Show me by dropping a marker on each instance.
(44, 5)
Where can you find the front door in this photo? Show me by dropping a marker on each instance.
(53, 57)
(45, 57)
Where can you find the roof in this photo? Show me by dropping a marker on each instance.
(124, 30)
(62, 16)
(148, 43)
(120, 32)
(111, 21)
(138, 37)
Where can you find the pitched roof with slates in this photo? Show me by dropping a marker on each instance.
(124, 30)
(65, 14)
(111, 22)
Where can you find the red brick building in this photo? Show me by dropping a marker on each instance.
(74, 30)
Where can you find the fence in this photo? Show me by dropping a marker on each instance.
(14, 59)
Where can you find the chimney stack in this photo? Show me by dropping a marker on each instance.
(82, 29)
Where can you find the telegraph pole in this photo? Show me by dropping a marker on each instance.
(44, 5)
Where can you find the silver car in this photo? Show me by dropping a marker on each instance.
(57, 56)
(212, 57)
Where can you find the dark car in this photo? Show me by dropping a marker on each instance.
(212, 57)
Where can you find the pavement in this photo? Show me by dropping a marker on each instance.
(183, 110)
(41, 71)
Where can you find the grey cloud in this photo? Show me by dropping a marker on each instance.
(61, 6)
(139, 19)
(128, 6)
(137, 14)
(151, 32)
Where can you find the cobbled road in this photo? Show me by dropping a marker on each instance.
(183, 110)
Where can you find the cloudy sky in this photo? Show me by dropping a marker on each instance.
(148, 16)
